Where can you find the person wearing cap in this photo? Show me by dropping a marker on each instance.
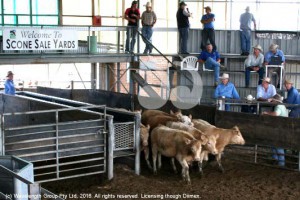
(211, 59)
(208, 32)
(132, 15)
(226, 89)
(281, 111)
(245, 31)
(9, 87)
(271, 58)
(265, 91)
(183, 25)
(293, 97)
(148, 20)
(254, 62)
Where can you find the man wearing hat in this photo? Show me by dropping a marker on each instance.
(281, 111)
(275, 57)
(226, 89)
(293, 97)
(9, 87)
(265, 91)
(208, 32)
(254, 62)
(183, 25)
(148, 20)
(245, 31)
(132, 15)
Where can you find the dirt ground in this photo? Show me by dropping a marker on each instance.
(240, 181)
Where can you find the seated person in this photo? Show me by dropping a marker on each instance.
(254, 62)
(275, 57)
(293, 97)
(226, 89)
(265, 91)
(279, 110)
(212, 61)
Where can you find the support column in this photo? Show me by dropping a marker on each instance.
(118, 77)
(93, 75)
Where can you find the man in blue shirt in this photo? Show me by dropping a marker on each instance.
(9, 84)
(212, 61)
(208, 32)
(245, 31)
(226, 89)
(271, 58)
(293, 97)
(266, 90)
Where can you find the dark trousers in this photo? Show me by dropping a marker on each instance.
(208, 34)
(261, 72)
(183, 39)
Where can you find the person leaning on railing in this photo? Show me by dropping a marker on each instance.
(266, 90)
(281, 111)
(293, 97)
(9, 86)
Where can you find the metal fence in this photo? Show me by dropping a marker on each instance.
(60, 147)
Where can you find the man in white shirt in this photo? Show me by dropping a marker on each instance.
(266, 90)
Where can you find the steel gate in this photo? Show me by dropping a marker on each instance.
(60, 146)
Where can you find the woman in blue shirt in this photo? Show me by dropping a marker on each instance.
(9, 84)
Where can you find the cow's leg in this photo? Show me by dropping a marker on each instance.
(146, 152)
(185, 171)
(202, 155)
(173, 165)
(218, 158)
(154, 157)
(159, 160)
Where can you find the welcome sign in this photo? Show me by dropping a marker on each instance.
(39, 39)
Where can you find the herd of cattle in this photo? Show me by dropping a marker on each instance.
(185, 139)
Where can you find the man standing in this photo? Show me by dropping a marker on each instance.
(208, 32)
(275, 57)
(226, 89)
(183, 25)
(245, 31)
(254, 62)
(293, 97)
(132, 15)
(9, 84)
(211, 59)
(148, 21)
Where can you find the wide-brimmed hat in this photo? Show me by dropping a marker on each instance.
(278, 98)
(288, 81)
(207, 7)
(273, 47)
(266, 79)
(182, 3)
(148, 4)
(224, 76)
(9, 73)
(258, 47)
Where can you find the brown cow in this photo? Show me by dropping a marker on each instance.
(208, 141)
(175, 143)
(144, 133)
(225, 137)
(202, 125)
(156, 117)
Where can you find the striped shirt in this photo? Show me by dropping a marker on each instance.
(148, 18)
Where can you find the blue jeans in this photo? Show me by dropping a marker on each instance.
(279, 156)
(213, 65)
(295, 113)
(147, 32)
(208, 34)
(261, 73)
(183, 39)
(245, 40)
(131, 32)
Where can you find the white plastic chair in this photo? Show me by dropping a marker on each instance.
(281, 72)
(208, 70)
(190, 63)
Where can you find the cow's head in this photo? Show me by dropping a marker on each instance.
(211, 143)
(144, 133)
(237, 137)
(195, 147)
(187, 120)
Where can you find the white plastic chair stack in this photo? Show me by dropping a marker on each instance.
(190, 63)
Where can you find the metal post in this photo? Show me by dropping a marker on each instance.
(34, 191)
(118, 77)
(299, 161)
(57, 156)
(2, 137)
(118, 42)
(111, 147)
(255, 154)
(137, 124)
(257, 108)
